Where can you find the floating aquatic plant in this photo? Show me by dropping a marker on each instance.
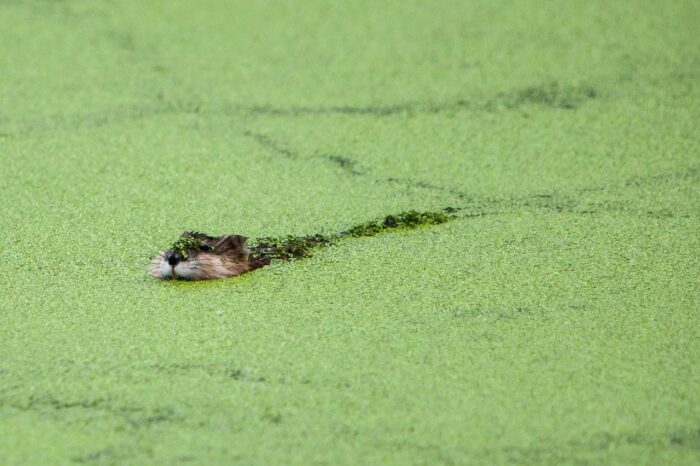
(409, 219)
(184, 244)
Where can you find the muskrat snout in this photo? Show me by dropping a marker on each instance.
(172, 257)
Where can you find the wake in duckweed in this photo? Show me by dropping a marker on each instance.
(198, 256)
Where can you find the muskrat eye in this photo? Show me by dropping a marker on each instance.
(205, 247)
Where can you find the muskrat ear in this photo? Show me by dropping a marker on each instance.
(232, 244)
(238, 240)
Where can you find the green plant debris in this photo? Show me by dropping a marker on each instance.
(287, 247)
(298, 247)
(406, 220)
(185, 244)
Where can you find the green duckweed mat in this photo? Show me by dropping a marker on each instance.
(555, 321)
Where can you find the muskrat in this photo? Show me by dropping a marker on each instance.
(197, 256)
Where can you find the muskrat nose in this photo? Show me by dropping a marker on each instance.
(172, 257)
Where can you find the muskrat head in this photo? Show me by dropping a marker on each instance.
(196, 256)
